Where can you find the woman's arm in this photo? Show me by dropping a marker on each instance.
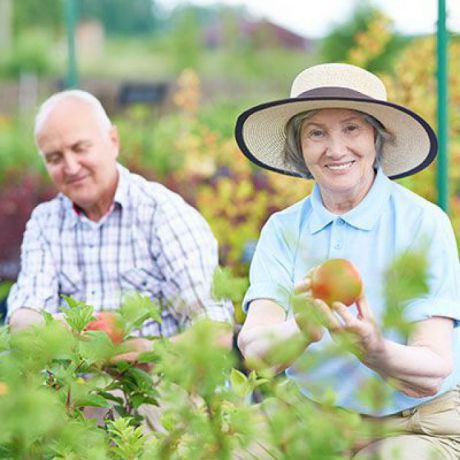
(417, 368)
(420, 367)
(268, 339)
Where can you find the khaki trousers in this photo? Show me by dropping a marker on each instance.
(430, 431)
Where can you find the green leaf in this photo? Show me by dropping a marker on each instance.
(240, 383)
(137, 400)
(96, 347)
(405, 279)
(148, 357)
(78, 314)
(93, 401)
(227, 286)
(142, 378)
(137, 308)
(111, 397)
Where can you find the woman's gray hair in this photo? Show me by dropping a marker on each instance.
(293, 149)
(83, 96)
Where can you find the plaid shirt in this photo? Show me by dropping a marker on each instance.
(151, 241)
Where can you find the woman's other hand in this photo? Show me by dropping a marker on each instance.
(361, 330)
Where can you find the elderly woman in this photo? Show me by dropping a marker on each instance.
(339, 130)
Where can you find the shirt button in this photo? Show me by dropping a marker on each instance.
(338, 245)
(340, 222)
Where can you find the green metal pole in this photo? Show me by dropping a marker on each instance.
(442, 177)
(71, 19)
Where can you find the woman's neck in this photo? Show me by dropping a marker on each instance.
(342, 202)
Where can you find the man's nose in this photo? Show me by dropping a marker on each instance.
(71, 164)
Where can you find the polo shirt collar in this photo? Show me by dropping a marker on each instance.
(363, 217)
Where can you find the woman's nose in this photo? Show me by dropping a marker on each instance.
(337, 146)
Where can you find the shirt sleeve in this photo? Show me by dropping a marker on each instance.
(443, 298)
(36, 286)
(270, 275)
(187, 253)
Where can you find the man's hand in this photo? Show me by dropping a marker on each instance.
(25, 317)
(134, 348)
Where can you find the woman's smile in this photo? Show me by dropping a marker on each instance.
(338, 147)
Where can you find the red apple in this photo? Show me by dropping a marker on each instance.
(107, 322)
(336, 280)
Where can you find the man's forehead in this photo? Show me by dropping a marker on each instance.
(70, 121)
(70, 109)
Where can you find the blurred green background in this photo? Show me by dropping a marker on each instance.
(174, 81)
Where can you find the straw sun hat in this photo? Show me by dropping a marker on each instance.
(260, 130)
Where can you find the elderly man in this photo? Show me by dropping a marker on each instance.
(109, 231)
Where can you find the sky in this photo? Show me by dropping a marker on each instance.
(313, 18)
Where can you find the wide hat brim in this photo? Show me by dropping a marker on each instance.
(260, 133)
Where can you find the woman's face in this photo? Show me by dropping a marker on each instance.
(339, 150)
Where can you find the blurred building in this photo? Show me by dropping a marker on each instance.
(259, 33)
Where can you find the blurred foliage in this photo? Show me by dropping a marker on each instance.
(51, 374)
(122, 17)
(48, 14)
(183, 42)
(18, 154)
(405, 281)
(365, 39)
(29, 55)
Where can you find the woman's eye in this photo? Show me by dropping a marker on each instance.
(315, 133)
(351, 128)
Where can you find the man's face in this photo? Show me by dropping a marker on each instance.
(80, 155)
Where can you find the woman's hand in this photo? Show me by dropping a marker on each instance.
(313, 316)
(362, 330)
(309, 313)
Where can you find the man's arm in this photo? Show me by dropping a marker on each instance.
(37, 282)
(186, 252)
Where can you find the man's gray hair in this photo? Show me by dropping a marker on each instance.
(50, 103)
(293, 149)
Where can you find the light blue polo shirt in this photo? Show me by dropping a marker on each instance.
(388, 221)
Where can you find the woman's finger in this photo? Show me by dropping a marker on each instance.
(327, 316)
(364, 311)
(302, 286)
(343, 311)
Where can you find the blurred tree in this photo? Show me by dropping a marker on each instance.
(185, 39)
(28, 55)
(6, 19)
(347, 36)
(123, 17)
(30, 13)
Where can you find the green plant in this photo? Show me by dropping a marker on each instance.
(29, 55)
(48, 374)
